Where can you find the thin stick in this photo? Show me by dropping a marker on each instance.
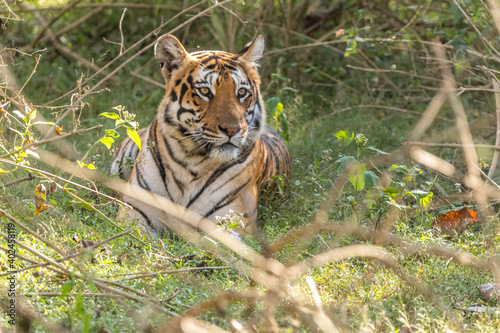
(494, 161)
(51, 175)
(429, 115)
(391, 108)
(55, 138)
(75, 24)
(51, 22)
(137, 54)
(87, 250)
(485, 42)
(379, 40)
(473, 178)
(126, 51)
(64, 50)
(100, 213)
(20, 180)
(450, 145)
(176, 271)
(147, 79)
(120, 26)
(378, 70)
(58, 294)
(97, 282)
(17, 255)
(31, 232)
(103, 5)
(37, 61)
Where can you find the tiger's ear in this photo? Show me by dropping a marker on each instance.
(170, 53)
(252, 52)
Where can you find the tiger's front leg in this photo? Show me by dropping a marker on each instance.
(243, 209)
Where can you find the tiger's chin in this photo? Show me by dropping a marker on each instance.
(225, 152)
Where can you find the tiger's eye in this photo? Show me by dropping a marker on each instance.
(204, 90)
(242, 92)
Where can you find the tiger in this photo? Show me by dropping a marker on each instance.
(208, 148)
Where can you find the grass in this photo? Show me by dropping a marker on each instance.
(358, 293)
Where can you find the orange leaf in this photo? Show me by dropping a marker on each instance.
(455, 221)
(59, 130)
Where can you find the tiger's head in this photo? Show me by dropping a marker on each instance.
(212, 97)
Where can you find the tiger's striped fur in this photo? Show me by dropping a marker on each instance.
(208, 149)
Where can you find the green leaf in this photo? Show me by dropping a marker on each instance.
(290, 89)
(110, 115)
(32, 115)
(356, 176)
(87, 206)
(425, 202)
(344, 136)
(119, 122)
(279, 109)
(284, 127)
(344, 162)
(376, 149)
(134, 136)
(81, 164)
(272, 103)
(66, 287)
(107, 141)
(279, 76)
(400, 168)
(395, 204)
(390, 191)
(133, 124)
(112, 133)
(371, 179)
(351, 47)
(20, 115)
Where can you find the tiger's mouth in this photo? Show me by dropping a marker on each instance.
(228, 146)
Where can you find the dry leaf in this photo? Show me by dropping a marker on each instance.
(40, 193)
(85, 243)
(53, 187)
(455, 221)
(59, 130)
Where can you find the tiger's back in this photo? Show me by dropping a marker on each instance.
(208, 149)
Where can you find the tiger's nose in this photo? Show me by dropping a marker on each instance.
(229, 130)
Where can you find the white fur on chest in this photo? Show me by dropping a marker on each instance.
(196, 183)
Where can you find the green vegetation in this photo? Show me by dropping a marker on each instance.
(346, 83)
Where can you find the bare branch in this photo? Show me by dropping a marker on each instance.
(55, 138)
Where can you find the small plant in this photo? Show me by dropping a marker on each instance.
(230, 222)
(379, 199)
(275, 106)
(21, 127)
(122, 119)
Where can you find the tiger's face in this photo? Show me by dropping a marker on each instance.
(212, 97)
